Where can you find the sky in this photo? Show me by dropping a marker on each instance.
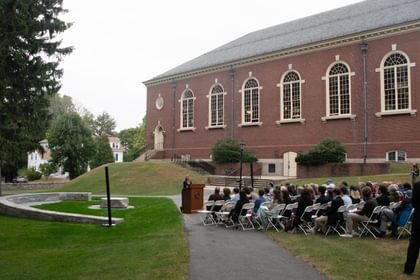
(120, 44)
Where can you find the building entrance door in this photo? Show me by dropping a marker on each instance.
(159, 139)
(289, 164)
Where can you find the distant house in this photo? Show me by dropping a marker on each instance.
(38, 157)
(117, 148)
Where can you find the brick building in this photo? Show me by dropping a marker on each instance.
(349, 73)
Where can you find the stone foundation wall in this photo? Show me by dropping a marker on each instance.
(342, 169)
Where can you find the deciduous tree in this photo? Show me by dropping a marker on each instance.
(71, 144)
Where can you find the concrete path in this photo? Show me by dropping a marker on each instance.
(218, 252)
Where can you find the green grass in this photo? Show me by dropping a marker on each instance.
(149, 244)
(356, 258)
(135, 178)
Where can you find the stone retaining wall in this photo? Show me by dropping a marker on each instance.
(20, 206)
(29, 186)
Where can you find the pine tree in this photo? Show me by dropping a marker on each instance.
(29, 74)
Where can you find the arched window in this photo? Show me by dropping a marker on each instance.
(338, 95)
(187, 110)
(251, 102)
(396, 86)
(216, 106)
(290, 96)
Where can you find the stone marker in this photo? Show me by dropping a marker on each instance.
(116, 202)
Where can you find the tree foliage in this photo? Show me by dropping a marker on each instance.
(29, 74)
(133, 140)
(71, 144)
(105, 124)
(103, 152)
(327, 151)
(47, 169)
(229, 150)
(60, 105)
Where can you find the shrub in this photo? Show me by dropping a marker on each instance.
(47, 169)
(229, 150)
(31, 174)
(327, 151)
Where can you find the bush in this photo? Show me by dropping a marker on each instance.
(47, 169)
(31, 174)
(327, 151)
(229, 150)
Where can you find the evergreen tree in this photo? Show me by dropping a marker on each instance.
(71, 144)
(29, 74)
(103, 152)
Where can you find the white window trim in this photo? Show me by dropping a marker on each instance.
(327, 94)
(301, 120)
(338, 117)
(242, 92)
(186, 129)
(209, 111)
(380, 70)
(396, 156)
(280, 85)
(180, 112)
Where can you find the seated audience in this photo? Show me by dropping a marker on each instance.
(226, 194)
(331, 216)
(361, 215)
(236, 212)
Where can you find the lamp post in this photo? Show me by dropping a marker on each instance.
(240, 166)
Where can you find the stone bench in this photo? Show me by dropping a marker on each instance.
(20, 206)
(116, 202)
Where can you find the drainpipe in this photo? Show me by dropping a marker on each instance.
(232, 104)
(364, 48)
(173, 117)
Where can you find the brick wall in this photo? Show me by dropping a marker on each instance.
(384, 134)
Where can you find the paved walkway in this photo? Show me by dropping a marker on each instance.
(217, 252)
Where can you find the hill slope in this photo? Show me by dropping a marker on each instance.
(134, 178)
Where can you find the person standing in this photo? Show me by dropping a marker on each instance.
(414, 173)
(187, 182)
(414, 245)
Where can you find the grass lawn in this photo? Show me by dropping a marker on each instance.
(355, 258)
(149, 244)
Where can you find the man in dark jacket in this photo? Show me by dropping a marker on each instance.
(414, 245)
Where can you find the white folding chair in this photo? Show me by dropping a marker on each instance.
(368, 226)
(223, 214)
(245, 217)
(337, 226)
(275, 214)
(406, 229)
(206, 214)
(283, 219)
(306, 224)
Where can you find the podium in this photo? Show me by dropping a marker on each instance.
(192, 198)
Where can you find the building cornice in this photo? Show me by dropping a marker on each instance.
(308, 48)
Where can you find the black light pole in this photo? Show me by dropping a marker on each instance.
(240, 166)
(108, 196)
(252, 174)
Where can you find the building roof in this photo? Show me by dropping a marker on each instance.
(353, 19)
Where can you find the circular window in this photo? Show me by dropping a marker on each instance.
(159, 102)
